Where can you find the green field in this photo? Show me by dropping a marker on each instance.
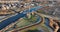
(25, 21)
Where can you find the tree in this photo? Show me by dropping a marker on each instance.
(33, 30)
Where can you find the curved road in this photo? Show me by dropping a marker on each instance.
(10, 20)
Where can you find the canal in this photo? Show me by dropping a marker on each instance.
(13, 19)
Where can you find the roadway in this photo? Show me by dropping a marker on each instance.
(13, 19)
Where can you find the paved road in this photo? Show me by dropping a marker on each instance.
(10, 20)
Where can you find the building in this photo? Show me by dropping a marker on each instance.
(8, 1)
